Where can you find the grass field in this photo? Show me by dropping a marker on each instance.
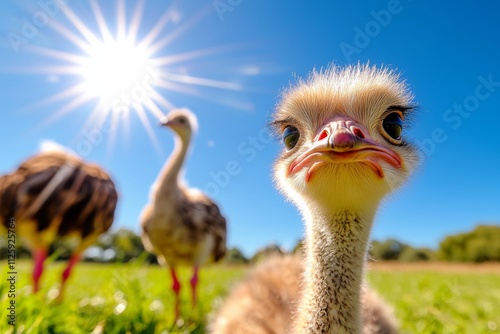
(134, 298)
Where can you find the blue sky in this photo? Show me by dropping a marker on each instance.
(447, 51)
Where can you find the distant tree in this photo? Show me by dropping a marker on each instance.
(410, 254)
(21, 250)
(394, 250)
(234, 255)
(265, 252)
(299, 247)
(127, 245)
(122, 245)
(479, 245)
(387, 250)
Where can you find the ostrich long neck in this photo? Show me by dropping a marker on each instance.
(168, 178)
(336, 248)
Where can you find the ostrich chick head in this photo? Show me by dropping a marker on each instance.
(343, 132)
(181, 121)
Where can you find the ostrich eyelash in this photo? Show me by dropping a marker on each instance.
(277, 126)
(405, 110)
(279, 123)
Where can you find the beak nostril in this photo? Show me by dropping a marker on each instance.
(323, 135)
(358, 133)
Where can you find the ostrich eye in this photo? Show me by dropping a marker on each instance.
(291, 136)
(393, 126)
(182, 120)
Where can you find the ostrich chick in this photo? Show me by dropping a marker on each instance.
(56, 194)
(181, 225)
(344, 150)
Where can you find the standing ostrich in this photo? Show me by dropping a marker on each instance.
(344, 151)
(181, 225)
(55, 194)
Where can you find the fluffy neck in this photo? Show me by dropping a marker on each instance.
(168, 179)
(336, 248)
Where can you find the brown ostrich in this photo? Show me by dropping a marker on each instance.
(181, 225)
(344, 150)
(55, 194)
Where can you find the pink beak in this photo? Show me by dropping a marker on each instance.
(164, 121)
(344, 141)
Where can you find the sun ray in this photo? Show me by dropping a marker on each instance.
(56, 54)
(149, 130)
(125, 125)
(120, 22)
(161, 100)
(80, 26)
(176, 87)
(178, 31)
(65, 94)
(51, 69)
(181, 57)
(187, 79)
(96, 117)
(113, 133)
(155, 31)
(68, 107)
(101, 22)
(155, 110)
(95, 123)
(63, 31)
(136, 21)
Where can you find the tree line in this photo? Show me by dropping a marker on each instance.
(482, 244)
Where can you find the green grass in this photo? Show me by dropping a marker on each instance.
(442, 302)
(135, 298)
(117, 298)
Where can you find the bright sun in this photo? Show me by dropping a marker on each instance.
(113, 68)
(123, 71)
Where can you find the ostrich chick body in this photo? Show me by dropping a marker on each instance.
(55, 194)
(182, 225)
(342, 129)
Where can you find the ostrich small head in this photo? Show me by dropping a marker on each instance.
(344, 138)
(181, 121)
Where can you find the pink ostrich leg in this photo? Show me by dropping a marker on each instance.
(65, 275)
(39, 256)
(194, 284)
(176, 287)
